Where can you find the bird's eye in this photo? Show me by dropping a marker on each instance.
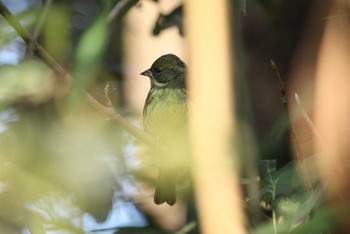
(157, 70)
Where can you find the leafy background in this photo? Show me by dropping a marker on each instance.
(65, 168)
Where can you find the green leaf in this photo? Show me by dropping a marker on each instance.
(286, 206)
(323, 222)
(311, 201)
(92, 44)
(288, 180)
(88, 60)
(269, 8)
(30, 80)
(242, 6)
(268, 228)
(267, 166)
(266, 192)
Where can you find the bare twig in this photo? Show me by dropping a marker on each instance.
(108, 90)
(294, 136)
(59, 70)
(112, 114)
(281, 85)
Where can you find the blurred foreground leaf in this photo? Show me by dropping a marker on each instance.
(291, 204)
(57, 33)
(89, 58)
(31, 80)
(52, 171)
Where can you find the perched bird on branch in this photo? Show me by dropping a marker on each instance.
(165, 119)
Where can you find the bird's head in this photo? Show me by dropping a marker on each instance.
(167, 71)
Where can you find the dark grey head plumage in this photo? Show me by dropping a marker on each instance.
(167, 71)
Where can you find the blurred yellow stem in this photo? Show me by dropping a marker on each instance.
(211, 117)
(332, 107)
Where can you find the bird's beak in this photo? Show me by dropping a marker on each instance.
(146, 73)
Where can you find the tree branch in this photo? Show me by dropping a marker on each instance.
(62, 73)
(293, 134)
(25, 35)
(112, 114)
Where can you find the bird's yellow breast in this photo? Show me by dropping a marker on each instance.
(165, 111)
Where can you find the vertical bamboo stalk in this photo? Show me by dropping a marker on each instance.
(211, 117)
(332, 106)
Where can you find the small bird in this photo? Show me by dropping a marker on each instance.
(165, 119)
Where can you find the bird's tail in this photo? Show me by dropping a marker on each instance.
(166, 187)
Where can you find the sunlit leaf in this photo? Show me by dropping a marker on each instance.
(89, 57)
(31, 79)
(57, 33)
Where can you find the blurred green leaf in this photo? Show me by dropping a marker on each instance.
(57, 32)
(52, 171)
(93, 42)
(275, 136)
(267, 228)
(324, 222)
(286, 207)
(282, 182)
(288, 180)
(88, 60)
(242, 6)
(267, 166)
(32, 80)
(284, 191)
(296, 214)
(266, 192)
(267, 186)
(311, 201)
(269, 8)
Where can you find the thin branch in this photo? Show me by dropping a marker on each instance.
(108, 90)
(294, 137)
(25, 35)
(41, 53)
(5, 12)
(281, 85)
(112, 114)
